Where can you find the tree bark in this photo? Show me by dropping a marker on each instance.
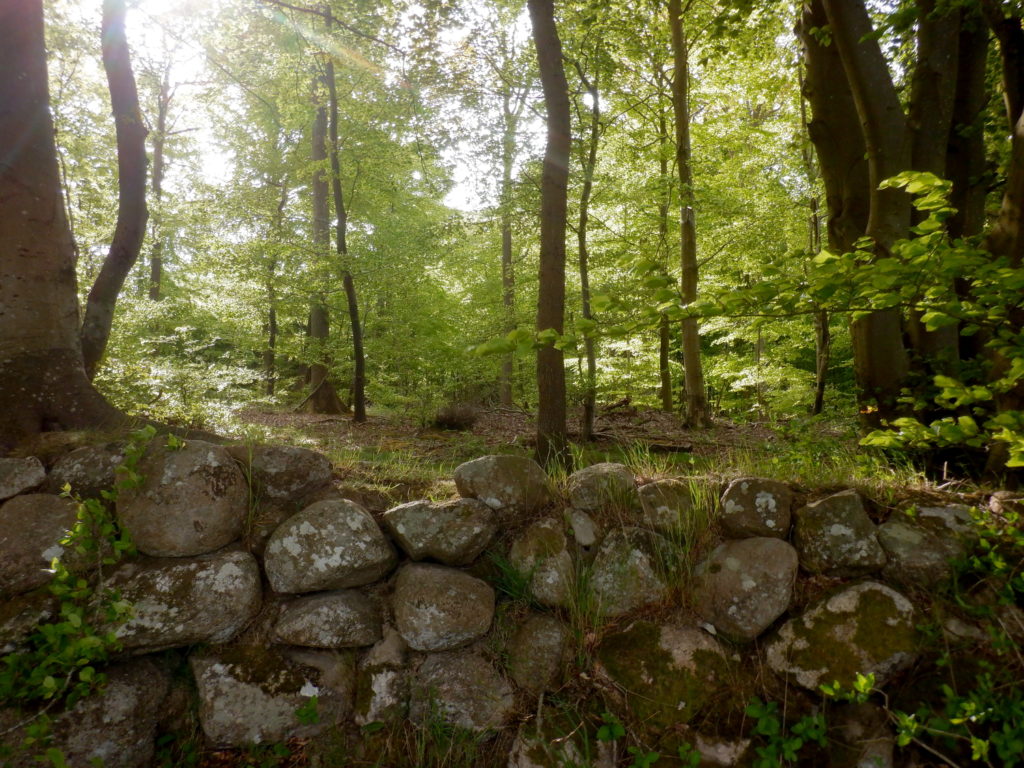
(341, 246)
(131, 175)
(43, 385)
(589, 164)
(696, 411)
(156, 260)
(552, 436)
(664, 328)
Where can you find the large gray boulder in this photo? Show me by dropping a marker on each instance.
(251, 695)
(537, 651)
(283, 473)
(607, 487)
(115, 727)
(835, 536)
(438, 608)
(193, 500)
(754, 506)
(179, 602)
(463, 690)
(382, 681)
(868, 628)
(89, 470)
(630, 571)
(510, 485)
(917, 553)
(745, 585)
(31, 529)
(670, 672)
(541, 555)
(332, 544)
(20, 475)
(451, 532)
(668, 506)
(19, 616)
(343, 619)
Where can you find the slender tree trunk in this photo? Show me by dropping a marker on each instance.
(43, 385)
(551, 412)
(664, 327)
(508, 292)
(156, 261)
(341, 244)
(696, 405)
(589, 164)
(131, 182)
(323, 397)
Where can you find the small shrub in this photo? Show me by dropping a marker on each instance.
(459, 417)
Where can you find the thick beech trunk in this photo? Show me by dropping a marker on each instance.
(551, 412)
(589, 163)
(695, 411)
(341, 245)
(131, 182)
(43, 385)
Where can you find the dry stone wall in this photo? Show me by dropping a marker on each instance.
(412, 616)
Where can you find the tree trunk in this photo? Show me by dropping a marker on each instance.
(589, 164)
(323, 397)
(696, 405)
(341, 245)
(131, 183)
(510, 120)
(43, 385)
(664, 328)
(551, 413)
(156, 261)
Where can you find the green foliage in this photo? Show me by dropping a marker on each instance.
(782, 743)
(611, 728)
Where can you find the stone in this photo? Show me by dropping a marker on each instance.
(251, 695)
(629, 571)
(582, 527)
(115, 727)
(461, 689)
(511, 485)
(604, 487)
(332, 544)
(719, 753)
(860, 737)
(89, 470)
(745, 585)
(19, 616)
(438, 608)
(193, 500)
(382, 682)
(20, 475)
(536, 652)
(540, 554)
(179, 602)
(31, 529)
(754, 506)
(344, 619)
(867, 629)
(669, 672)
(668, 506)
(836, 537)
(955, 519)
(452, 532)
(916, 554)
(283, 473)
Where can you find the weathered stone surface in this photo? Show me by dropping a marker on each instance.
(20, 475)
(452, 532)
(328, 545)
(629, 571)
(955, 519)
(745, 585)
(916, 553)
(31, 528)
(283, 472)
(89, 470)
(668, 505)
(19, 616)
(753, 506)
(540, 553)
(508, 484)
(669, 672)
(860, 737)
(345, 619)
(582, 527)
(867, 628)
(382, 682)
(192, 500)
(717, 753)
(179, 602)
(462, 689)
(536, 652)
(605, 486)
(249, 695)
(835, 536)
(117, 726)
(438, 608)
